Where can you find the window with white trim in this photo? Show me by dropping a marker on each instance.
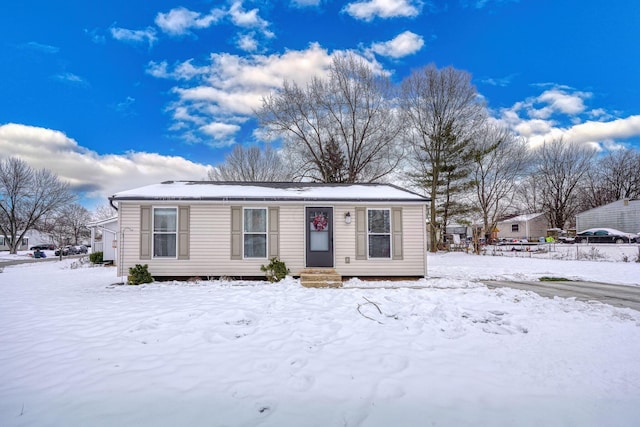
(1, 240)
(165, 232)
(379, 233)
(254, 232)
(515, 228)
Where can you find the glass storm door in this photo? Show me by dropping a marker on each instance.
(319, 230)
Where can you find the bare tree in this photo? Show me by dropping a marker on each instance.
(441, 109)
(26, 197)
(77, 217)
(500, 160)
(561, 169)
(104, 211)
(252, 164)
(615, 176)
(342, 128)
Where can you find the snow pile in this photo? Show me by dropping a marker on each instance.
(77, 349)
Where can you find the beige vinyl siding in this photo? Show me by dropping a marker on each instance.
(210, 242)
(413, 245)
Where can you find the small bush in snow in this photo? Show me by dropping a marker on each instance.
(96, 257)
(276, 270)
(139, 274)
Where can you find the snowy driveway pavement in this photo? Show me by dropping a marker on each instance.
(616, 295)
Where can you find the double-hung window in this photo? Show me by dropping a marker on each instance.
(515, 228)
(165, 232)
(254, 232)
(379, 233)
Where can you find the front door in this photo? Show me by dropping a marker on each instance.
(319, 236)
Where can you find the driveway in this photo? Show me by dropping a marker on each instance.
(616, 295)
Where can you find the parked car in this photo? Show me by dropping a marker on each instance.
(66, 250)
(81, 249)
(47, 247)
(605, 235)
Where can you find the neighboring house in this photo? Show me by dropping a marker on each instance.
(212, 229)
(623, 215)
(104, 237)
(529, 226)
(38, 238)
(4, 246)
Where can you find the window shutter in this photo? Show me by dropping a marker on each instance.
(396, 232)
(236, 232)
(183, 232)
(274, 232)
(145, 232)
(361, 233)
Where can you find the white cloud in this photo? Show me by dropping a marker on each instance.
(148, 35)
(247, 19)
(561, 112)
(231, 87)
(44, 48)
(71, 78)
(180, 21)
(221, 132)
(247, 42)
(498, 81)
(98, 176)
(559, 100)
(623, 128)
(403, 44)
(305, 3)
(368, 10)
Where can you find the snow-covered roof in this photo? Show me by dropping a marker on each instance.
(524, 217)
(102, 222)
(269, 191)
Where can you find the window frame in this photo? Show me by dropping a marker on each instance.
(154, 232)
(389, 234)
(515, 228)
(265, 232)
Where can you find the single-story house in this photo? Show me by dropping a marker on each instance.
(623, 215)
(4, 244)
(528, 226)
(212, 229)
(104, 238)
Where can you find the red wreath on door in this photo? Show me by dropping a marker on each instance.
(319, 222)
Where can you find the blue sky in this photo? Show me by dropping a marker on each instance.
(112, 95)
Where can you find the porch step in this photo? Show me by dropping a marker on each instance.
(320, 278)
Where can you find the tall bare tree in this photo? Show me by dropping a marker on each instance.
(342, 128)
(105, 211)
(441, 110)
(67, 225)
(561, 168)
(616, 176)
(499, 161)
(252, 164)
(26, 197)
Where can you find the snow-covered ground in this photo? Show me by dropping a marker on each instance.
(78, 350)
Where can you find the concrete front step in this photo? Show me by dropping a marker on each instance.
(320, 278)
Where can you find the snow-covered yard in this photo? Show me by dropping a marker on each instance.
(77, 349)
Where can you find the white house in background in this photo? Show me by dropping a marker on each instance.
(623, 215)
(212, 229)
(4, 244)
(529, 226)
(104, 237)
